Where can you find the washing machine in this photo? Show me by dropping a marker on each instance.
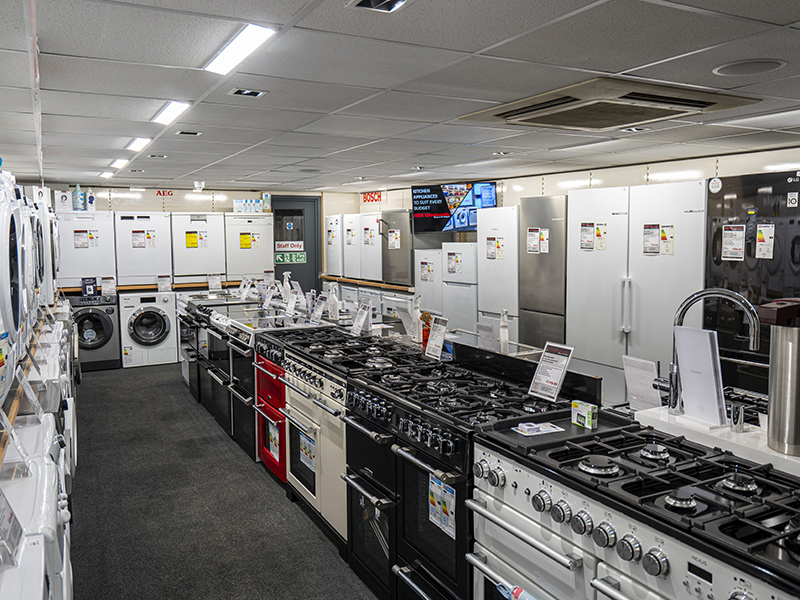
(149, 329)
(97, 324)
(48, 251)
(11, 315)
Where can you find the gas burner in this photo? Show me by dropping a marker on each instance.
(373, 350)
(654, 452)
(680, 499)
(316, 346)
(483, 417)
(792, 543)
(597, 464)
(441, 387)
(351, 343)
(377, 362)
(740, 482)
(333, 354)
(534, 406)
(394, 379)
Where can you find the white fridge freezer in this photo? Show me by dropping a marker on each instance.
(198, 246)
(352, 245)
(144, 247)
(86, 247)
(460, 285)
(371, 247)
(633, 255)
(428, 279)
(249, 246)
(334, 245)
(498, 267)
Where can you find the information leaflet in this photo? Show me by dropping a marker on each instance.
(551, 371)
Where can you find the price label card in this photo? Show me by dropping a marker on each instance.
(269, 276)
(164, 283)
(405, 318)
(138, 238)
(108, 286)
(10, 531)
(361, 322)
(733, 242)
(191, 239)
(487, 337)
(534, 240)
(587, 236)
(247, 283)
(269, 292)
(80, 238)
(491, 248)
(394, 239)
(550, 371)
(319, 307)
(436, 338)
(652, 238)
(215, 282)
(290, 306)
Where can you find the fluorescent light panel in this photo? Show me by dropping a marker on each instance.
(119, 163)
(242, 46)
(106, 174)
(138, 144)
(170, 112)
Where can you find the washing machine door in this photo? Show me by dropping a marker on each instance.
(39, 254)
(56, 253)
(10, 266)
(94, 328)
(148, 326)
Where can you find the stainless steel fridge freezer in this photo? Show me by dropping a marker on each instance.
(542, 270)
(397, 244)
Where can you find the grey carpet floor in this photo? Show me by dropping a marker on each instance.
(166, 506)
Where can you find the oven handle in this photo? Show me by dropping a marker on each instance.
(247, 400)
(442, 476)
(246, 353)
(402, 574)
(263, 414)
(380, 503)
(264, 371)
(325, 407)
(569, 561)
(478, 560)
(214, 377)
(216, 335)
(608, 586)
(378, 438)
(296, 423)
(294, 387)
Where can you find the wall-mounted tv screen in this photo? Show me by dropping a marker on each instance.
(450, 207)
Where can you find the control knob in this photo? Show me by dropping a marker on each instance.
(581, 523)
(561, 511)
(402, 424)
(629, 548)
(541, 501)
(741, 596)
(448, 447)
(497, 477)
(655, 562)
(351, 399)
(436, 442)
(604, 535)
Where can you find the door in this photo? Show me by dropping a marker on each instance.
(302, 447)
(460, 305)
(148, 326)
(542, 275)
(248, 246)
(498, 260)
(297, 239)
(271, 438)
(536, 328)
(596, 274)
(95, 328)
(397, 247)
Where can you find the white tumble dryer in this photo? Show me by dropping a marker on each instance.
(198, 246)
(86, 245)
(248, 246)
(144, 247)
(148, 329)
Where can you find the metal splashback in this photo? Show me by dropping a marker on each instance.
(398, 258)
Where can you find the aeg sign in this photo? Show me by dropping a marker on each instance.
(163, 192)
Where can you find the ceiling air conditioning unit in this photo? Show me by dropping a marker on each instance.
(607, 104)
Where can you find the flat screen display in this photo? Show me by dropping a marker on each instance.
(450, 207)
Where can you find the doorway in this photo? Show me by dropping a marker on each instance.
(297, 239)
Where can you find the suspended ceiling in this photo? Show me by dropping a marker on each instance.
(358, 100)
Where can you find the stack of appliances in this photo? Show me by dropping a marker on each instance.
(353, 238)
(87, 247)
(428, 284)
(334, 245)
(459, 274)
(149, 330)
(144, 247)
(248, 246)
(498, 268)
(371, 254)
(198, 246)
(42, 197)
(10, 278)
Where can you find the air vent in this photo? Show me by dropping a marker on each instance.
(308, 170)
(247, 93)
(383, 6)
(156, 156)
(194, 133)
(607, 104)
(137, 170)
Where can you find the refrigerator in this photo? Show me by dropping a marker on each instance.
(144, 247)
(767, 268)
(460, 285)
(334, 245)
(198, 246)
(397, 245)
(352, 245)
(498, 267)
(633, 255)
(249, 245)
(428, 272)
(542, 270)
(369, 237)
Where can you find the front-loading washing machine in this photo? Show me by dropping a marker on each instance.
(11, 314)
(149, 329)
(97, 324)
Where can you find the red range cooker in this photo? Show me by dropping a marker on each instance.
(270, 397)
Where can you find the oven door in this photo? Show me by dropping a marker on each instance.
(219, 353)
(613, 584)
(302, 447)
(433, 522)
(489, 572)
(271, 439)
(269, 389)
(552, 562)
(242, 366)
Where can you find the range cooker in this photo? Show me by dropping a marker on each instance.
(628, 512)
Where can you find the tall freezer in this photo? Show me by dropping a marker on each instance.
(334, 245)
(352, 245)
(371, 247)
(397, 245)
(460, 285)
(428, 273)
(498, 267)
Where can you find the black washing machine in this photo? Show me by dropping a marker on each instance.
(97, 323)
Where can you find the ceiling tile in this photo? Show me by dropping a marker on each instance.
(95, 126)
(126, 33)
(99, 106)
(14, 121)
(686, 133)
(778, 120)
(15, 99)
(365, 154)
(14, 69)
(237, 116)
(263, 161)
(415, 107)
(15, 137)
(623, 34)
(550, 139)
(174, 157)
(457, 134)
(348, 60)
(224, 134)
(313, 140)
(765, 139)
(343, 125)
(254, 11)
(166, 145)
(289, 94)
(768, 105)
(118, 79)
(768, 11)
(697, 68)
(74, 139)
(784, 88)
(12, 26)
(287, 152)
(401, 145)
(471, 26)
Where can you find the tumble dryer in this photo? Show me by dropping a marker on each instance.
(198, 247)
(144, 247)
(87, 249)
(97, 324)
(149, 329)
(48, 251)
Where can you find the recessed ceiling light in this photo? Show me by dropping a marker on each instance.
(199, 185)
(194, 133)
(247, 93)
(138, 144)
(137, 171)
(242, 46)
(384, 6)
(119, 163)
(135, 189)
(750, 67)
(500, 153)
(106, 174)
(635, 129)
(156, 156)
(170, 112)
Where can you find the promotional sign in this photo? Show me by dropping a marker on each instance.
(451, 207)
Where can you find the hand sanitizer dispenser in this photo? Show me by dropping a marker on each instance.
(504, 332)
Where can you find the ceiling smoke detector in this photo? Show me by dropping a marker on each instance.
(607, 104)
(749, 67)
(383, 6)
(247, 93)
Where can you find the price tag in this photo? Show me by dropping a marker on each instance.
(550, 371)
(290, 306)
(164, 283)
(319, 307)
(108, 286)
(652, 238)
(487, 337)
(405, 318)
(361, 322)
(244, 289)
(29, 393)
(10, 531)
(436, 338)
(533, 240)
(268, 294)
(733, 242)
(215, 282)
(587, 236)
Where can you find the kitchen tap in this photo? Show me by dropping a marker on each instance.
(675, 406)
